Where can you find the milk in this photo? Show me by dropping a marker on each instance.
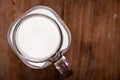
(38, 37)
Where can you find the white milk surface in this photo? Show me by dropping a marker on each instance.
(38, 37)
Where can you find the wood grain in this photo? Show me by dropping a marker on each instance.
(94, 53)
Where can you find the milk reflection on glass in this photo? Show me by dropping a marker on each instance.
(39, 37)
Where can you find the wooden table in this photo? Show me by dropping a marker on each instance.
(95, 50)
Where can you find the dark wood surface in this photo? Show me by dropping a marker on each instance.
(95, 50)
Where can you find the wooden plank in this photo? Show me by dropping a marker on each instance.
(94, 53)
(95, 28)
